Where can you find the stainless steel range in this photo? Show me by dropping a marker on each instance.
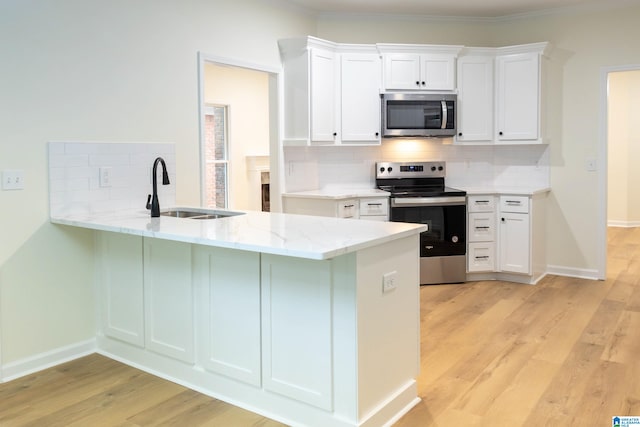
(419, 195)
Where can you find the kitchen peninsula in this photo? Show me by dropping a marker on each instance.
(308, 320)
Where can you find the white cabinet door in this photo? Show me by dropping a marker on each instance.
(402, 71)
(360, 98)
(229, 312)
(297, 355)
(121, 286)
(168, 298)
(515, 243)
(518, 83)
(475, 98)
(323, 96)
(437, 72)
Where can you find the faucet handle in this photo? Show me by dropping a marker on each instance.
(149, 202)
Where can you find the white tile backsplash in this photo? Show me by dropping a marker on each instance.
(74, 185)
(311, 168)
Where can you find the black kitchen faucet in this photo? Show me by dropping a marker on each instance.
(152, 201)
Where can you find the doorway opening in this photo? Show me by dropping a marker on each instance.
(239, 138)
(618, 153)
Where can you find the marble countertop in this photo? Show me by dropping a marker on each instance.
(300, 236)
(338, 193)
(517, 191)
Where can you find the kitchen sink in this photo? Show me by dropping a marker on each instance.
(198, 214)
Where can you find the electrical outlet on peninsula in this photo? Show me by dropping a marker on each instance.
(389, 282)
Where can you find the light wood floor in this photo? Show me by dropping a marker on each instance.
(565, 352)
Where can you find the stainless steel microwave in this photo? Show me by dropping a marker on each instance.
(418, 115)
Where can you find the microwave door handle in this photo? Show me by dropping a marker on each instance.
(443, 105)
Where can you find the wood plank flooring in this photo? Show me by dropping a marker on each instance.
(563, 352)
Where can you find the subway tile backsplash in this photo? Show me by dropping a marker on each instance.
(74, 176)
(310, 168)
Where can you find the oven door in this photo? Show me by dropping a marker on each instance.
(445, 218)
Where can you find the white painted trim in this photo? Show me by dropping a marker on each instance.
(580, 273)
(602, 160)
(277, 155)
(623, 224)
(47, 359)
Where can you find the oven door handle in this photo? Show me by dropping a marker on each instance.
(428, 201)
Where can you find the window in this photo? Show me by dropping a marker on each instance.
(217, 159)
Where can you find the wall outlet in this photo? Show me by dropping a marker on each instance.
(105, 177)
(389, 282)
(13, 179)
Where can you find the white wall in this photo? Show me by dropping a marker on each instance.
(624, 148)
(89, 70)
(585, 41)
(246, 92)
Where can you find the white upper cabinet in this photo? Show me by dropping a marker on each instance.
(323, 96)
(360, 98)
(475, 98)
(331, 93)
(500, 94)
(419, 67)
(518, 97)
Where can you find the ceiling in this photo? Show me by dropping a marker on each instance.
(453, 8)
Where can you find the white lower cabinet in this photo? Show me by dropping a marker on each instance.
(481, 257)
(506, 241)
(481, 235)
(290, 349)
(168, 301)
(228, 291)
(515, 251)
(297, 338)
(369, 208)
(119, 259)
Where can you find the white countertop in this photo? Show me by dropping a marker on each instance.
(338, 193)
(516, 191)
(301, 236)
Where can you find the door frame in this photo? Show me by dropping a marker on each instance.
(602, 156)
(276, 154)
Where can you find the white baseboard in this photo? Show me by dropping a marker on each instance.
(580, 273)
(41, 361)
(626, 224)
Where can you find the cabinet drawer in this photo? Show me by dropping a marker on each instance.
(481, 257)
(519, 204)
(378, 206)
(482, 226)
(348, 209)
(481, 203)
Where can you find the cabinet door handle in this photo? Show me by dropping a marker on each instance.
(377, 133)
(482, 257)
(502, 219)
(335, 134)
(482, 202)
(513, 202)
(349, 206)
(423, 83)
(374, 204)
(482, 228)
(500, 133)
(418, 83)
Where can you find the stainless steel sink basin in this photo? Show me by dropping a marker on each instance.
(198, 214)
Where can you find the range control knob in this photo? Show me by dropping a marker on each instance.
(389, 169)
(381, 170)
(433, 168)
(440, 168)
(454, 239)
